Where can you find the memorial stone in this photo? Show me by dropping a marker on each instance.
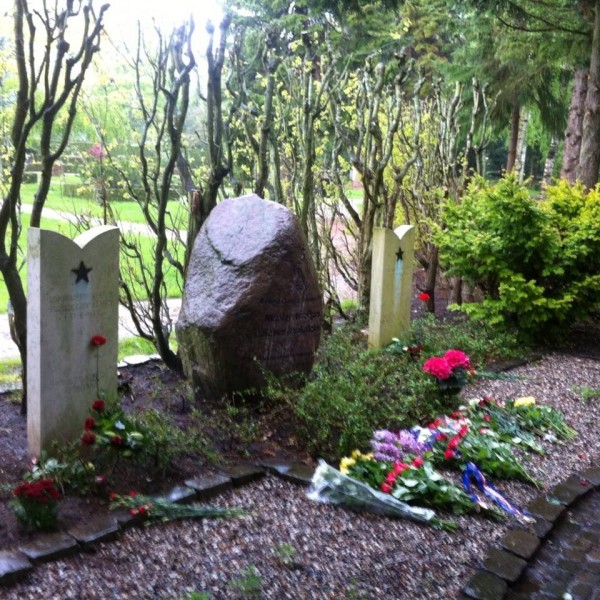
(251, 302)
(391, 284)
(73, 288)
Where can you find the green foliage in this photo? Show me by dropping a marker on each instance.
(355, 391)
(167, 440)
(286, 554)
(249, 583)
(587, 393)
(65, 467)
(536, 262)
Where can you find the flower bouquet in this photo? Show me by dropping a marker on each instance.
(540, 419)
(451, 370)
(109, 427)
(486, 415)
(333, 487)
(35, 503)
(456, 442)
(160, 508)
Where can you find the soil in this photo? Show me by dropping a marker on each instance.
(142, 387)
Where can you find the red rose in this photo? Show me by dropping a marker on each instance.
(424, 296)
(98, 405)
(88, 438)
(442, 437)
(98, 340)
(449, 454)
(112, 496)
(89, 424)
(116, 440)
(438, 367)
(487, 418)
(133, 512)
(142, 510)
(133, 494)
(418, 462)
(463, 431)
(386, 488)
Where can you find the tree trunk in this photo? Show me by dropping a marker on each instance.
(431, 273)
(573, 134)
(514, 135)
(521, 152)
(550, 161)
(589, 156)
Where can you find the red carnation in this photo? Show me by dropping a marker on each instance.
(98, 340)
(418, 462)
(449, 454)
(386, 488)
(453, 443)
(89, 424)
(424, 296)
(98, 405)
(116, 440)
(88, 439)
(399, 467)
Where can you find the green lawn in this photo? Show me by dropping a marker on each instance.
(125, 211)
(133, 272)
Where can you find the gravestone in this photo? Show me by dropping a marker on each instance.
(251, 302)
(391, 284)
(73, 293)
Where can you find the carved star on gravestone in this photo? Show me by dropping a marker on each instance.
(399, 254)
(81, 273)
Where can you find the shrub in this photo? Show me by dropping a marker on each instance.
(536, 262)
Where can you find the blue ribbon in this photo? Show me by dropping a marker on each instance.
(471, 473)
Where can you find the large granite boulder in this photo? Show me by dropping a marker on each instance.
(252, 302)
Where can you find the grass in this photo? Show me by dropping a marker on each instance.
(126, 211)
(135, 345)
(10, 372)
(133, 272)
(10, 368)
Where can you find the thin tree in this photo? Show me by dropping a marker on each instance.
(51, 71)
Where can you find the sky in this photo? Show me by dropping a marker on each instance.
(123, 15)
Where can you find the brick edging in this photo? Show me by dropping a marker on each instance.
(505, 564)
(18, 562)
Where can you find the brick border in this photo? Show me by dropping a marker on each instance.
(519, 546)
(17, 563)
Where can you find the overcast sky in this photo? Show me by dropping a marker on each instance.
(122, 16)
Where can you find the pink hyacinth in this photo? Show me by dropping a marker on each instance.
(438, 367)
(457, 359)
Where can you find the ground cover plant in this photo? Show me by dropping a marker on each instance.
(162, 436)
(355, 391)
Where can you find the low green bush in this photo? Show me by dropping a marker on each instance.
(537, 262)
(354, 391)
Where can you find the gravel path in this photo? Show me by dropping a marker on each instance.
(300, 549)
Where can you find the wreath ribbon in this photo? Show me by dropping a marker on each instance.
(473, 474)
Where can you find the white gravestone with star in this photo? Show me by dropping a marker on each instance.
(72, 330)
(391, 284)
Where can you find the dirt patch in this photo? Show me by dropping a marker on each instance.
(143, 387)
